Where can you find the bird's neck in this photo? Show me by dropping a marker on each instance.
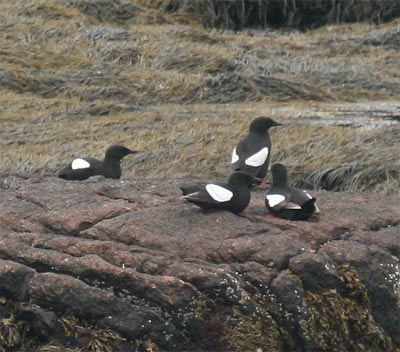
(262, 133)
(239, 186)
(280, 183)
(111, 161)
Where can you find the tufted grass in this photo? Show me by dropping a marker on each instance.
(76, 78)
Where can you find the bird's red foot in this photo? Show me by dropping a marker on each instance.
(263, 185)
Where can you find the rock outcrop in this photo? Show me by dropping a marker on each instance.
(125, 265)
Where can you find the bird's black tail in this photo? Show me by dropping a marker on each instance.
(309, 207)
(189, 189)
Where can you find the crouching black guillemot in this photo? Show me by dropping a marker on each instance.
(286, 202)
(83, 168)
(233, 195)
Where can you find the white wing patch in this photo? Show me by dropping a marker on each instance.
(275, 199)
(307, 195)
(218, 193)
(235, 157)
(258, 158)
(291, 205)
(79, 164)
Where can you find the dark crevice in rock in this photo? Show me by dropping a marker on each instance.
(82, 226)
(379, 226)
(262, 231)
(85, 225)
(59, 231)
(108, 196)
(340, 233)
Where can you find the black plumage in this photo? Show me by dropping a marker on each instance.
(287, 202)
(83, 168)
(252, 154)
(233, 195)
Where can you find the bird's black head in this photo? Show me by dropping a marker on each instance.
(279, 175)
(117, 152)
(262, 124)
(241, 178)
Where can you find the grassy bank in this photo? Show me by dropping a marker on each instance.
(76, 76)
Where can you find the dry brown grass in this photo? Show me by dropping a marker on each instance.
(239, 14)
(76, 77)
(341, 158)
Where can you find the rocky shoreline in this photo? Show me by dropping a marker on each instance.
(128, 265)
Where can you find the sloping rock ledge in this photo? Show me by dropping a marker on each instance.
(126, 265)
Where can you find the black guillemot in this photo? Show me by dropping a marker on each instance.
(233, 195)
(252, 154)
(287, 202)
(83, 168)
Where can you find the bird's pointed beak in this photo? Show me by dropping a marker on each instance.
(130, 151)
(277, 124)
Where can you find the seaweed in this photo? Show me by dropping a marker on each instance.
(344, 321)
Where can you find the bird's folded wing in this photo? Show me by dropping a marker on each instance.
(258, 158)
(79, 163)
(276, 201)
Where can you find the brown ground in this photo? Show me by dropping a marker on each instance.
(127, 266)
(75, 78)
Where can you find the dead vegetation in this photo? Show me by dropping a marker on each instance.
(298, 13)
(344, 160)
(79, 75)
